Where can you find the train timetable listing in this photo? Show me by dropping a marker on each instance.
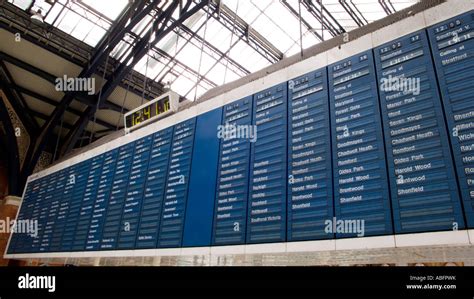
(149, 224)
(310, 196)
(77, 181)
(360, 174)
(100, 206)
(87, 204)
(423, 185)
(230, 213)
(134, 196)
(58, 183)
(266, 219)
(177, 182)
(19, 243)
(115, 206)
(452, 43)
(63, 209)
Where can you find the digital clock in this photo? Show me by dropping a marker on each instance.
(155, 109)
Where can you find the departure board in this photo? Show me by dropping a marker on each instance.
(176, 188)
(267, 196)
(154, 190)
(360, 176)
(389, 131)
(57, 182)
(452, 43)
(424, 191)
(100, 205)
(88, 202)
(230, 214)
(78, 181)
(21, 242)
(133, 202)
(64, 204)
(112, 223)
(42, 212)
(310, 196)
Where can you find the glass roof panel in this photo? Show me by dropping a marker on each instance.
(371, 11)
(191, 57)
(94, 36)
(246, 10)
(69, 20)
(182, 85)
(171, 44)
(221, 74)
(110, 8)
(86, 20)
(82, 29)
(23, 4)
(340, 14)
(216, 34)
(89, 20)
(248, 57)
(277, 24)
(402, 4)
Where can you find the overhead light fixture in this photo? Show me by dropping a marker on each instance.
(37, 17)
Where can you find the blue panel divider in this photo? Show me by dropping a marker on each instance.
(202, 181)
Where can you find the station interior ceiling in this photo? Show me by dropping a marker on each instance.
(135, 54)
(213, 45)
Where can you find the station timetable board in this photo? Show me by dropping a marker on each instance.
(360, 174)
(338, 143)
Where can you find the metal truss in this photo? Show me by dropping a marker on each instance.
(56, 41)
(303, 21)
(244, 31)
(160, 28)
(323, 16)
(387, 6)
(353, 12)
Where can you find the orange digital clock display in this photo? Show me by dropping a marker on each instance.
(153, 110)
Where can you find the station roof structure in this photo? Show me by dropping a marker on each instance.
(136, 50)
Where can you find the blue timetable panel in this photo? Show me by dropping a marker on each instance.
(19, 242)
(88, 202)
(176, 190)
(50, 220)
(150, 217)
(267, 201)
(100, 206)
(39, 212)
(360, 173)
(452, 43)
(133, 201)
(423, 186)
(118, 194)
(65, 201)
(310, 196)
(48, 212)
(40, 201)
(79, 180)
(230, 213)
